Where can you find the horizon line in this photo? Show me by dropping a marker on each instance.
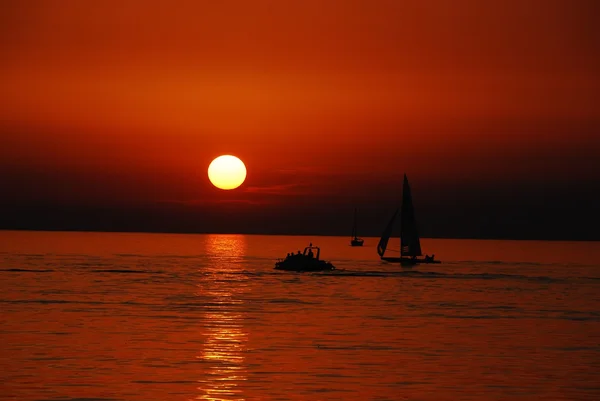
(157, 232)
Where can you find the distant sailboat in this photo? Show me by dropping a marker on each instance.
(410, 244)
(355, 241)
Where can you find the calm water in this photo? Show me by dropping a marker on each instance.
(205, 317)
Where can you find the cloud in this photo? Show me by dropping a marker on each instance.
(278, 189)
(214, 202)
(296, 182)
(298, 170)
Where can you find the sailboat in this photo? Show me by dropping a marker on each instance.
(355, 241)
(410, 244)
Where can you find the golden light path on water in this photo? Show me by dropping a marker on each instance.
(226, 338)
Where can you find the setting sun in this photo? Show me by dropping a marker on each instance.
(227, 172)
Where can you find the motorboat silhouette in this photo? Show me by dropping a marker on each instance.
(308, 261)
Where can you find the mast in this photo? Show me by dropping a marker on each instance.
(410, 245)
(354, 231)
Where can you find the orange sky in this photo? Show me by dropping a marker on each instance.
(128, 101)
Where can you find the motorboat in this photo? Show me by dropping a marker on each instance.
(307, 261)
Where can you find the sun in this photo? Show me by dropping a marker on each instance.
(227, 172)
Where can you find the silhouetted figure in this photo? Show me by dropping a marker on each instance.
(310, 253)
(432, 256)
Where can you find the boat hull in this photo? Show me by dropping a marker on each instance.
(304, 265)
(357, 242)
(409, 262)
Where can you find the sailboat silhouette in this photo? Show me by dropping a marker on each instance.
(410, 243)
(355, 241)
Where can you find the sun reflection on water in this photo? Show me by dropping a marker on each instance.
(226, 338)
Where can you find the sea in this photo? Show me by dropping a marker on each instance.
(125, 316)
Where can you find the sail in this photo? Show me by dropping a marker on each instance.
(410, 245)
(385, 237)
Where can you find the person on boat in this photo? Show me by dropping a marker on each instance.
(432, 256)
(310, 253)
(428, 258)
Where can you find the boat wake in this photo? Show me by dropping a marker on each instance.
(437, 275)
